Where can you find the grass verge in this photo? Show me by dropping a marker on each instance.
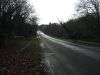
(25, 63)
(90, 43)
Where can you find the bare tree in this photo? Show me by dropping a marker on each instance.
(96, 5)
(13, 14)
(89, 7)
(82, 7)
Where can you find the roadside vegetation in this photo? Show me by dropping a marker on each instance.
(14, 60)
(19, 47)
(17, 18)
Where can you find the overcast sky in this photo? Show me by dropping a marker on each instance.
(52, 10)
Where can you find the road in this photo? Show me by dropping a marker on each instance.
(67, 58)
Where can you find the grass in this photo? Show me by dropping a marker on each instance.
(25, 63)
(88, 42)
(18, 42)
(32, 53)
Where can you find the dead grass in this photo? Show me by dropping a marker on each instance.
(25, 63)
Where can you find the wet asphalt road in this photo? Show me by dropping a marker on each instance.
(67, 58)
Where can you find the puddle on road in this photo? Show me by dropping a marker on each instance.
(46, 67)
(42, 45)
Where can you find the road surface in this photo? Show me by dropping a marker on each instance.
(67, 58)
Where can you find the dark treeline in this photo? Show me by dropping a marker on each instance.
(53, 29)
(15, 20)
(84, 27)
